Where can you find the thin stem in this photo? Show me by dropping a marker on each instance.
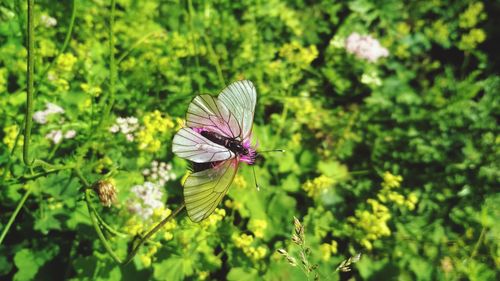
(215, 59)
(191, 11)
(478, 243)
(136, 44)
(67, 38)
(65, 44)
(14, 215)
(105, 225)
(107, 102)
(95, 223)
(153, 231)
(28, 122)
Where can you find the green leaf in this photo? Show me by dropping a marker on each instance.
(242, 274)
(171, 269)
(28, 262)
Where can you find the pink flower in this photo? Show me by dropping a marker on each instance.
(365, 47)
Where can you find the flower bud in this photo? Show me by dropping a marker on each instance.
(107, 192)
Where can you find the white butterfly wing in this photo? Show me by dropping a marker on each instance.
(192, 146)
(209, 113)
(203, 191)
(240, 98)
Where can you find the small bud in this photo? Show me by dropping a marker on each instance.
(291, 261)
(304, 261)
(297, 225)
(296, 239)
(107, 192)
(283, 252)
(356, 258)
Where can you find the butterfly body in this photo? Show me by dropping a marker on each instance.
(232, 144)
(217, 138)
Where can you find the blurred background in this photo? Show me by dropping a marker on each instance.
(387, 110)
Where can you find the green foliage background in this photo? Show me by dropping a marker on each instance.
(397, 159)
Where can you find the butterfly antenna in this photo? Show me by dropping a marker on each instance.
(255, 179)
(272, 150)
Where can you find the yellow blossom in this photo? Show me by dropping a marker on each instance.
(146, 260)
(214, 218)
(391, 181)
(294, 53)
(328, 249)
(148, 137)
(239, 182)
(65, 62)
(93, 91)
(258, 227)
(232, 204)
(318, 185)
(203, 275)
(10, 136)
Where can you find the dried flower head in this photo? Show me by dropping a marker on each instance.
(345, 266)
(107, 192)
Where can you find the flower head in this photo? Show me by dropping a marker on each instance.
(365, 47)
(107, 192)
(148, 197)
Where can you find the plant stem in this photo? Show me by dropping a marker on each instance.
(14, 215)
(478, 243)
(191, 12)
(215, 60)
(67, 38)
(153, 231)
(97, 228)
(136, 44)
(108, 101)
(28, 122)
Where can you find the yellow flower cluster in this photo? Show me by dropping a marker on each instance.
(374, 223)
(318, 185)
(203, 275)
(239, 182)
(244, 242)
(93, 91)
(154, 126)
(307, 112)
(161, 213)
(470, 40)
(389, 194)
(468, 20)
(103, 163)
(146, 258)
(46, 48)
(3, 80)
(258, 227)
(10, 136)
(391, 181)
(472, 16)
(135, 225)
(297, 54)
(233, 204)
(65, 62)
(214, 218)
(327, 249)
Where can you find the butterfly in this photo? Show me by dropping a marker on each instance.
(217, 138)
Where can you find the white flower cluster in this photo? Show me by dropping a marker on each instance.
(365, 47)
(147, 199)
(40, 116)
(126, 126)
(160, 172)
(48, 21)
(56, 136)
